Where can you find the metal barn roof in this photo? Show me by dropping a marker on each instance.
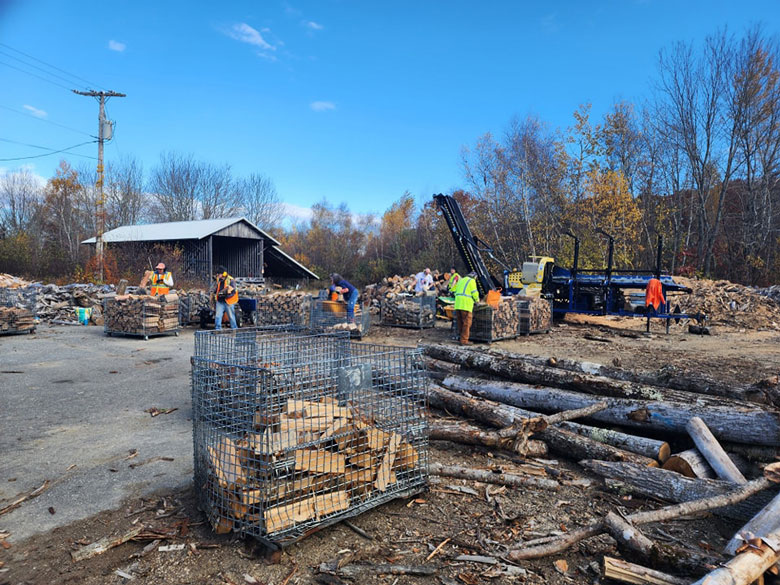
(175, 230)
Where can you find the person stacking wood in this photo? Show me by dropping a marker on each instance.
(466, 294)
(226, 298)
(161, 280)
(453, 281)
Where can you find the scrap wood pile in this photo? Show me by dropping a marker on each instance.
(15, 320)
(403, 284)
(722, 435)
(327, 459)
(142, 314)
(52, 303)
(728, 303)
(407, 310)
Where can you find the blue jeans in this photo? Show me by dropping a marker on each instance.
(351, 300)
(222, 306)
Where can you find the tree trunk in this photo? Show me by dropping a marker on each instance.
(626, 572)
(690, 463)
(457, 432)
(490, 476)
(502, 416)
(672, 487)
(565, 373)
(712, 451)
(728, 419)
(748, 566)
(756, 526)
(560, 441)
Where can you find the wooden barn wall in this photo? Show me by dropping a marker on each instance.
(241, 257)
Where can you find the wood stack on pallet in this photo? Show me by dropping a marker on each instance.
(283, 308)
(535, 314)
(142, 314)
(15, 320)
(327, 459)
(494, 323)
(404, 310)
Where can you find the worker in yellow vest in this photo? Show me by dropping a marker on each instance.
(161, 281)
(454, 278)
(466, 294)
(226, 298)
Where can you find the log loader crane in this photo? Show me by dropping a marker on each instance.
(572, 290)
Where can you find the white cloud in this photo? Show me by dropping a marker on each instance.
(35, 111)
(322, 106)
(296, 212)
(116, 46)
(313, 25)
(244, 33)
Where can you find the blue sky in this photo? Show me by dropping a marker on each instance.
(348, 101)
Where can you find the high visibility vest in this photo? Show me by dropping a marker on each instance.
(466, 294)
(158, 284)
(223, 283)
(453, 281)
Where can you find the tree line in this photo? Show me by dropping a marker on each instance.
(696, 162)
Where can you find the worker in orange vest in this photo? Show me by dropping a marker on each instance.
(226, 298)
(162, 281)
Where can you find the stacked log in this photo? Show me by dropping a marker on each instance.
(283, 308)
(191, 303)
(535, 314)
(15, 320)
(329, 458)
(494, 323)
(374, 293)
(404, 310)
(142, 314)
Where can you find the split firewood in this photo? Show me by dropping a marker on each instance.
(620, 570)
(732, 420)
(16, 320)
(727, 499)
(497, 477)
(104, 544)
(141, 314)
(712, 451)
(408, 311)
(471, 435)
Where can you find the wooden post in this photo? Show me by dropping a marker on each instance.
(712, 451)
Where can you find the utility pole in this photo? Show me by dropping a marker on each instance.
(100, 212)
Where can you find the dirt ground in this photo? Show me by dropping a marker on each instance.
(472, 518)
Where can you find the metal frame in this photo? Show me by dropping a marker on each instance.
(327, 316)
(143, 333)
(283, 420)
(12, 297)
(423, 301)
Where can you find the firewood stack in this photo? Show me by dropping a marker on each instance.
(329, 457)
(535, 314)
(404, 310)
(284, 307)
(142, 314)
(494, 323)
(190, 305)
(403, 284)
(16, 320)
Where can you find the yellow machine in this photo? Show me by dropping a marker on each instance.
(529, 281)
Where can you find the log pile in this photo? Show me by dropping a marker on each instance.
(535, 315)
(707, 476)
(283, 308)
(51, 302)
(730, 304)
(329, 458)
(142, 314)
(405, 310)
(394, 285)
(494, 323)
(15, 320)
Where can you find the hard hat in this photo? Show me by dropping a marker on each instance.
(161, 266)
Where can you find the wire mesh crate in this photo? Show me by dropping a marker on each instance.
(495, 323)
(190, 306)
(327, 316)
(294, 431)
(406, 310)
(535, 314)
(283, 308)
(141, 315)
(17, 311)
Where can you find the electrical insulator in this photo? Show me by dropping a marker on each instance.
(108, 129)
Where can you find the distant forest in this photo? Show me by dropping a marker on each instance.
(697, 162)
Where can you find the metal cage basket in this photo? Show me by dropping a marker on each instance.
(17, 311)
(405, 310)
(141, 316)
(328, 316)
(294, 431)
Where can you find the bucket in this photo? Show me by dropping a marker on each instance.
(493, 298)
(83, 315)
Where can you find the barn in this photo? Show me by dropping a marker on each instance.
(236, 243)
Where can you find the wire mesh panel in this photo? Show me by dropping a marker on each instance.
(405, 310)
(141, 315)
(17, 311)
(535, 314)
(284, 308)
(333, 316)
(294, 431)
(190, 305)
(494, 323)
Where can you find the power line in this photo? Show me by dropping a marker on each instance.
(35, 75)
(20, 112)
(53, 151)
(23, 62)
(50, 65)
